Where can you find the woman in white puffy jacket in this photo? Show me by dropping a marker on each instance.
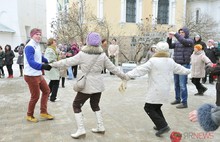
(90, 56)
(160, 69)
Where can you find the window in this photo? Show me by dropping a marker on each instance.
(100, 10)
(197, 16)
(131, 11)
(163, 12)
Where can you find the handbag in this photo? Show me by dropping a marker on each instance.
(81, 82)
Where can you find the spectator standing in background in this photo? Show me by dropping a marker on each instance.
(212, 53)
(183, 48)
(9, 56)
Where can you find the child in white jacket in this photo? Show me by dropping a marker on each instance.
(160, 69)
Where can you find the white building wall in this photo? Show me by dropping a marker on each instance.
(18, 14)
(210, 7)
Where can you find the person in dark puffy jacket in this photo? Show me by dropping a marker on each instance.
(183, 49)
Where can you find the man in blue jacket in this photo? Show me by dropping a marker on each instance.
(183, 49)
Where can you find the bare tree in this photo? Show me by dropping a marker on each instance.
(202, 24)
(149, 32)
(75, 23)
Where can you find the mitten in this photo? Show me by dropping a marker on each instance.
(46, 67)
(123, 86)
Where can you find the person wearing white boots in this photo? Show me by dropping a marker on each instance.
(91, 59)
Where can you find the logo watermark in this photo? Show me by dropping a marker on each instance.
(198, 135)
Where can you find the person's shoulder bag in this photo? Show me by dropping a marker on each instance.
(81, 82)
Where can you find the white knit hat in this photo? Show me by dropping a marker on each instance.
(162, 47)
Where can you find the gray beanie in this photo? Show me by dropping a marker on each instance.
(205, 117)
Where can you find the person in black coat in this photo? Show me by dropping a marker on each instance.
(9, 56)
(212, 53)
(198, 40)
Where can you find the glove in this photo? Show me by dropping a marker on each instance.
(208, 69)
(123, 86)
(46, 67)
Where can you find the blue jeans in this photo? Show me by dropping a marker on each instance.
(70, 73)
(180, 86)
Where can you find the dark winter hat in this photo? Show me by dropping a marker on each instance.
(205, 118)
(93, 39)
(35, 31)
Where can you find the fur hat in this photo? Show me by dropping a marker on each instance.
(35, 31)
(198, 46)
(205, 118)
(93, 39)
(162, 47)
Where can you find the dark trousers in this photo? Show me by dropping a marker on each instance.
(156, 115)
(199, 86)
(9, 68)
(218, 94)
(211, 79)
(74, 68)
(63, 81)
(53, 85)
(2, 71)
(81, 98)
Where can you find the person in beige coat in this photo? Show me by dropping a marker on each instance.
(113, 51)
(91, 54)
(198, 61)
(54, 74)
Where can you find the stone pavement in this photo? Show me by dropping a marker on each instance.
(124, 117)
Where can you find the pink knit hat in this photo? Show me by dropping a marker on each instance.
(211, 41)
(35, 31)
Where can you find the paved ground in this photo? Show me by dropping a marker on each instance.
(124, 117)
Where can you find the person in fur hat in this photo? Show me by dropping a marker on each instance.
(160, 65)
(208, 117)
(198, 61)
(91, 54)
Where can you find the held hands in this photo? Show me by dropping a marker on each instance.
(46, 67)
(208, 69)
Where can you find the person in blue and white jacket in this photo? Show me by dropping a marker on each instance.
(33, 76)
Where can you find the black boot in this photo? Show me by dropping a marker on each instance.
(162, 131)
(63, 82)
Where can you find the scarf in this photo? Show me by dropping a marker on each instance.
(54, 49)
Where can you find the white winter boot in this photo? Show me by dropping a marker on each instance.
(81, 132)
(100, 128)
